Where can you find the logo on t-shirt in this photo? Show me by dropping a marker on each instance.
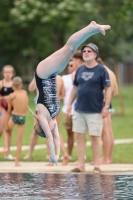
(87, 75)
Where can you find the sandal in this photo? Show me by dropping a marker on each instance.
(77, 170)
(96, 170)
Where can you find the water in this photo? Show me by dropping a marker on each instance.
(38, 186)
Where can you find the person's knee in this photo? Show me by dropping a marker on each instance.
(39, 116)
(96, 138)
(8, 132)
(80, 136)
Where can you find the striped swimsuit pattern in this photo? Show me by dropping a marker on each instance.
(50, 95)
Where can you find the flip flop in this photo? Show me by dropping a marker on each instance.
(77, 170)
(96, 170)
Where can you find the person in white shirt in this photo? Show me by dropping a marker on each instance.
(67, 119)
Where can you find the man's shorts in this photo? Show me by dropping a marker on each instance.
(83, 122)
(67, 122)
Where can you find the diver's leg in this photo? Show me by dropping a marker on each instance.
(58, 61)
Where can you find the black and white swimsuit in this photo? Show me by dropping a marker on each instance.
(48, 94)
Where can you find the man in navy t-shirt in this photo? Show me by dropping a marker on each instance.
(91, 81)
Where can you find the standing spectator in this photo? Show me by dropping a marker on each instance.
(90, 81)
(107, 133)
(16, 115)
(67, 119)
(78, 61)
(34, 136)
(6, 88)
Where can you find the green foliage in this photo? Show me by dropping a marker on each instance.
(33, 29)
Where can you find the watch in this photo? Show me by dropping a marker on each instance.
(107, 107)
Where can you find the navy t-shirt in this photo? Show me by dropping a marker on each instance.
(90, 83)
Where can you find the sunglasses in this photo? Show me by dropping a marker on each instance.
(87, 51)
(70, 65)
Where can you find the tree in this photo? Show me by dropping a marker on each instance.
(33, 29)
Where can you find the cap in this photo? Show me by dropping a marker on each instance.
(92, 46)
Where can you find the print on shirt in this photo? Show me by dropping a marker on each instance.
(87, 75)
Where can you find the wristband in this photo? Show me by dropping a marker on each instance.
(107, 107)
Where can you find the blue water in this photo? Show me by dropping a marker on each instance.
(30, 186)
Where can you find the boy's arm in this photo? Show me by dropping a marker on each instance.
(0, 85)
(8, 114)
(32, 85)
(116, 90)
(62, 91)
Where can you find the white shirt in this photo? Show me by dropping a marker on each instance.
(68, 83)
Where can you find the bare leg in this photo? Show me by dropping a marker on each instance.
(19, 143)
(58, 61)
(56, 138)
(51, 140)
(7, 136)
(33, 142)
(48, 156)
(112, 136)
(96, 150)
(81, 146)
(2, 119)
(70, 141)
(7, 140)
(108, 141)
(65, 155)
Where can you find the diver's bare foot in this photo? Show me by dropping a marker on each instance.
(53, 160)
(96, 28)
(65, 160)
(57, 158)
(17, 164)
(26, 157)
(75, 163)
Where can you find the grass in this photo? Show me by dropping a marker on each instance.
(122, 128)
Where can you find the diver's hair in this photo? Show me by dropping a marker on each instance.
(31, 111)
(37, 127)
(8, 66)
(78, 55)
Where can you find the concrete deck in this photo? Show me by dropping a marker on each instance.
(40, 167)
